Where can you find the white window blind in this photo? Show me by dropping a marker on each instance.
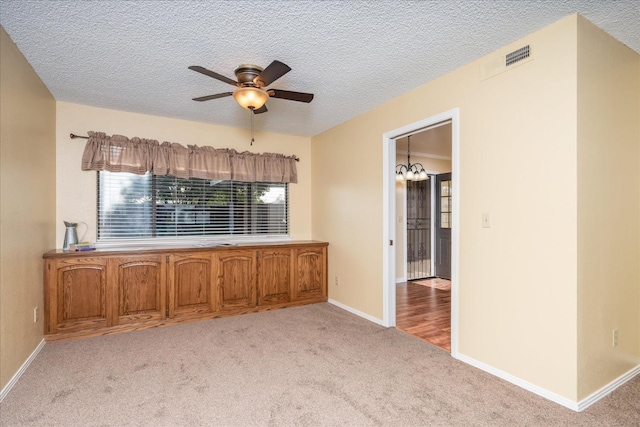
(146, 206)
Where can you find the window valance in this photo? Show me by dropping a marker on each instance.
(118, 153)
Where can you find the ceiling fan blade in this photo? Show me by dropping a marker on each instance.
(273, 72)
(291, 96)
(261, 110)
(210, 97)
(210, 73)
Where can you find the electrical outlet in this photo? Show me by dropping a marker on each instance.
(614, 337)
(35, 315)
(337, 281)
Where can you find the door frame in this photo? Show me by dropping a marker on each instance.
(389, 215)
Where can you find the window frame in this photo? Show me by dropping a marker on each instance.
(189, 240)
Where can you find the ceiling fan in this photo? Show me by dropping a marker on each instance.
(252, 80)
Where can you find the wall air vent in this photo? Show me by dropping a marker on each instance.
(501, 63)
(517, 55)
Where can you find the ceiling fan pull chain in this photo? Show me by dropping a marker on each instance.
(251, 112)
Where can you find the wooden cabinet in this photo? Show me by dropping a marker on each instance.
(236, 278)
(190, 280)
(274, 276)
(77, 294)
(108, 291)
(139, 289)
(310, 273)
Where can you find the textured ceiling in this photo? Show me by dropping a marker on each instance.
(353, 55)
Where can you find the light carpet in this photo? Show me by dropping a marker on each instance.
(306, 366)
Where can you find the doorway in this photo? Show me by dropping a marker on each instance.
(389, 215)
(419, 230)
(423, 298)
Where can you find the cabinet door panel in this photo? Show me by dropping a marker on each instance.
(191, 285)
(274, 276)
(141, 289)
(310, 281)
(81, 294)
(236, 279)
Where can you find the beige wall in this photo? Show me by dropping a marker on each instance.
(430, 165)
(77, 188)
(27, 203)
(608, 208)
(517, 280)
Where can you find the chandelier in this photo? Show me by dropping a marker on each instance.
(410, 172)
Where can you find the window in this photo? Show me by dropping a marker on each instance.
(149, 206)
(445, 204)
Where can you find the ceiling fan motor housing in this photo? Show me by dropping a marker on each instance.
(246, 73)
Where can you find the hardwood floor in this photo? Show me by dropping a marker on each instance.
(425, 313)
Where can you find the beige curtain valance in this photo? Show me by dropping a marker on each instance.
(118, 153)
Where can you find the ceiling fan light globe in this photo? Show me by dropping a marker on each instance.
(250, 98)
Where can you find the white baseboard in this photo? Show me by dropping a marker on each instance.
(356, 312)
(561, 400)
(607, 389)
(401, 280)
(21, 371)
(542, 392)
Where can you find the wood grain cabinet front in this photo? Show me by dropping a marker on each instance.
(310, 271)
(236, 279)
(190, 284)
(76, 294)
(115, 291)
(140, 291)
(274, 268)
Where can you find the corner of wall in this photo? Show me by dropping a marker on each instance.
(608, 155)
(27, 141)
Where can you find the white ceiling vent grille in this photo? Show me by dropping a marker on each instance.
(502, 63)
(517, 55)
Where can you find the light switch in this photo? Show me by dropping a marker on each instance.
(486, 220)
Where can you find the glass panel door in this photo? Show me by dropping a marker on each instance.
(418, 229)
(443, 226)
